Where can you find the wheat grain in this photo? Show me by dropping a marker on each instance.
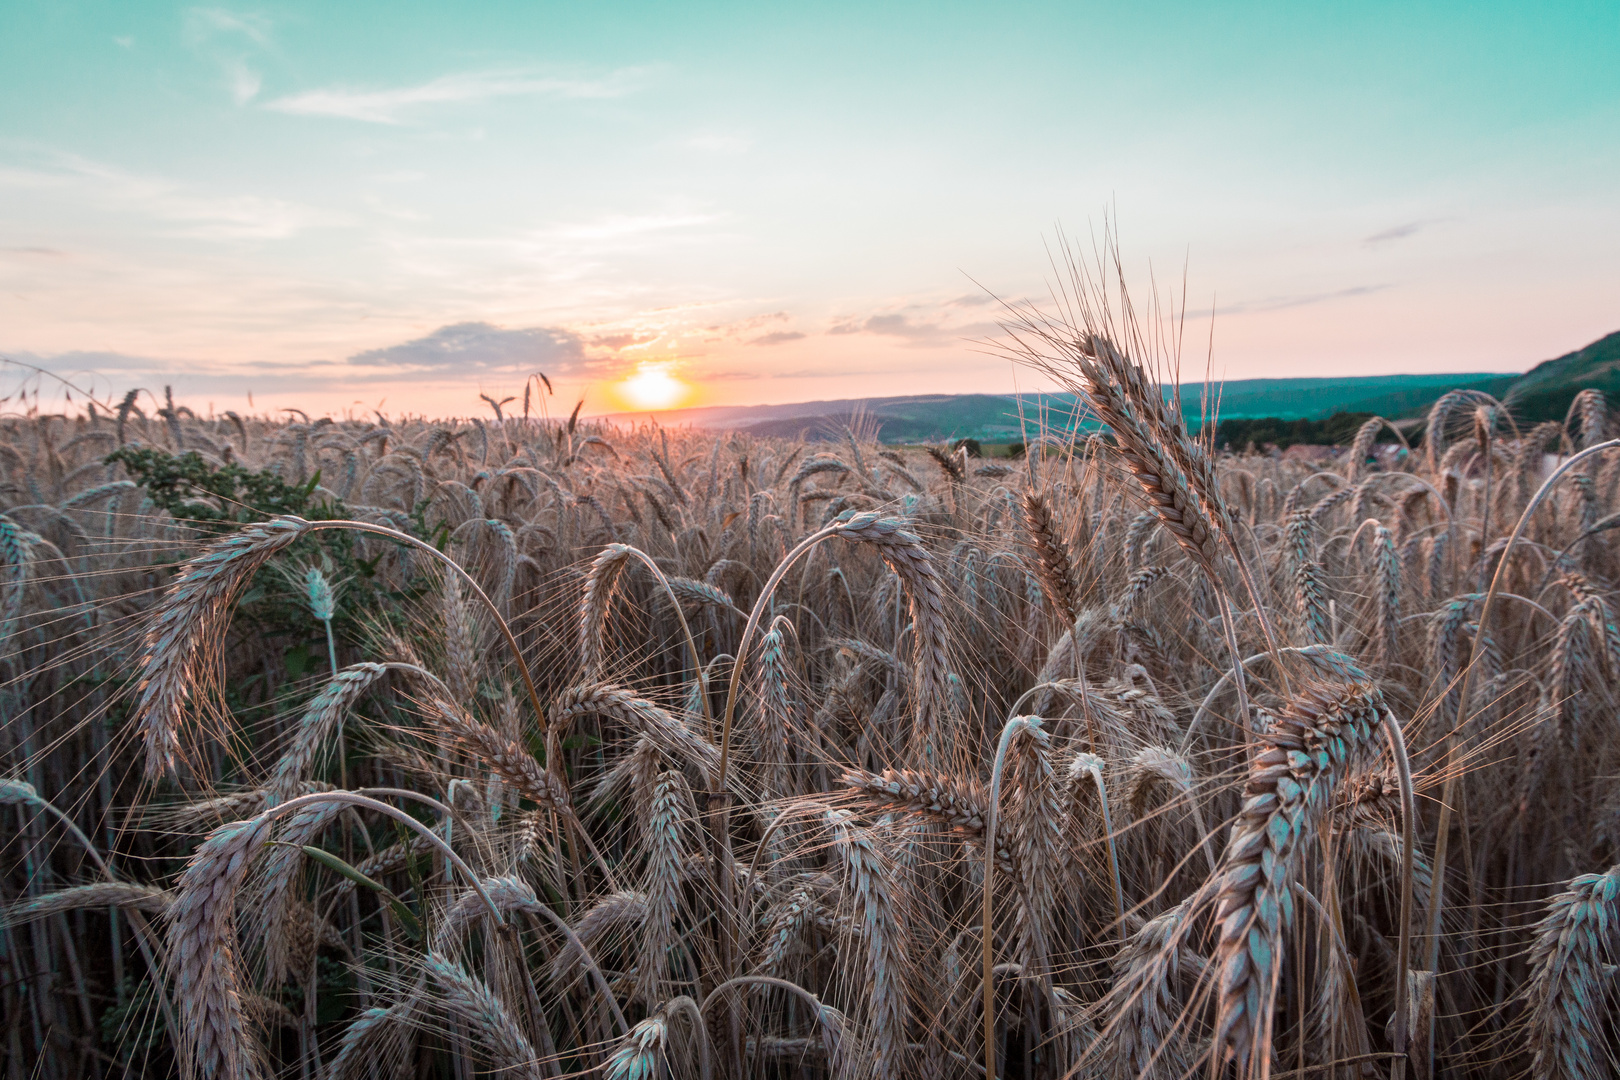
(666, 731)
(323, 716)
(666, 851)
(641, 1055)
(104, 894)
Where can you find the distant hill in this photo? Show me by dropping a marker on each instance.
(1544, 392)
(1312, 399)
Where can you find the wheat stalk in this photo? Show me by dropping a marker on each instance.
(277, 913)
(471, 1000)
(184, 631)
(374, 1035)
(213, 1040)
(640, 1056)
(1054, 568)
(666, 731)
(1318, 740)
(1035, 814)
(1146, 1017)
(323, 716)
(880, 918)
(1573, 945)
(666, 851)
(104, 894)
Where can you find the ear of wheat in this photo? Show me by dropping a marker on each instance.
(1572, 947)
(1319, 739)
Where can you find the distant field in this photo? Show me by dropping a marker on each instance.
(1543, 393)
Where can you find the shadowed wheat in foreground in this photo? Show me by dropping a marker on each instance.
(537, 749)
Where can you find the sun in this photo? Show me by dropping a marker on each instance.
(653, 387)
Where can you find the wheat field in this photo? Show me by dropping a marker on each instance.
(521, 748)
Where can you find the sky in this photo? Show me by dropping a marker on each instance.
(336, 206)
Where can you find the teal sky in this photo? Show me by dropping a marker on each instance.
(330, 203)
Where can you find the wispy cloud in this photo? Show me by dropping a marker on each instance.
(202, 23)
(218, 33)
(777, 338)
(1295, 300)
(388, 106)
(245, 82)
(198, 214)
(915, 332)
(619, 341)
(449, 354)
(107, 373)
(474, 347)
(1282, 303)
(615, 226)
(1401, 232)
(729, 375)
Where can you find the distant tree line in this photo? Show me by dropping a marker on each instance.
(1336, 430)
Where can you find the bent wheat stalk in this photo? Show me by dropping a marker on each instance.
(1437, 888)
(593, 609)
(1013, 727)
(192, 615)
(1090, 767)
(203, 941)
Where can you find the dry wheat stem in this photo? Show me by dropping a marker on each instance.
(746, 640)
(1090, 767)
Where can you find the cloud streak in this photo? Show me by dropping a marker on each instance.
(1283, 303)
(899, 325)
(205, 216)
(389, 106)
(202, 23)
(476, 347)
(1400, 232)
(780, 337)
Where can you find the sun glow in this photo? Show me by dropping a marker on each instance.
(653, 387)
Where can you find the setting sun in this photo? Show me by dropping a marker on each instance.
(653, 387)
